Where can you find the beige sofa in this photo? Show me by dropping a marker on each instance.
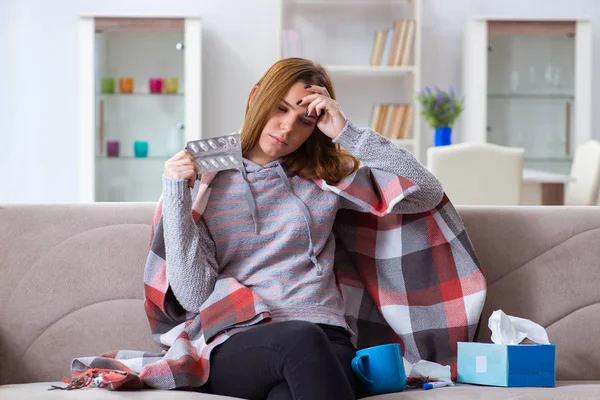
(71, 285)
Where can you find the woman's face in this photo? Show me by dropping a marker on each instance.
(287, 128)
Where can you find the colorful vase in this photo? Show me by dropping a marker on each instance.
(442, 136)
(112, 148)
(171, 85)
(156, 85)
(126, 85)
(107, 85)
(140, 149)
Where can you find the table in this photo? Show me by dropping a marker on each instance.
(545, 188)
(542, 188)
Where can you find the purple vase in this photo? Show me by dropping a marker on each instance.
(112, 148)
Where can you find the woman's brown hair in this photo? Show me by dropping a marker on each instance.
(318, 156)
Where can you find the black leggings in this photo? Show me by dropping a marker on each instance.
(285, 360)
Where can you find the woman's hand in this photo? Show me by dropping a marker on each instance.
(182, 166)
(330, 118)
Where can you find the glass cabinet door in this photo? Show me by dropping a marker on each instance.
(140, 106)
(531, 91)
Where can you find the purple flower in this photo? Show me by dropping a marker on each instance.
(439, 98)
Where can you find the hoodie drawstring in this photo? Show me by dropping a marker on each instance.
(299, 203)
(250, 199)
(307, 219)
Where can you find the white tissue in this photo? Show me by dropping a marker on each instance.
(428, 369)
(512, 330)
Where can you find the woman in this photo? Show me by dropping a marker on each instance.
(271, 225)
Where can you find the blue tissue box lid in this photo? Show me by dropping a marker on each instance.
(506, 365)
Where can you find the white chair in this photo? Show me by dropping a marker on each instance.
(585, 171)
(478, 173)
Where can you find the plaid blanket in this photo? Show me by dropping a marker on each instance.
(412, 279)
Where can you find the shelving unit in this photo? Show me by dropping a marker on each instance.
(339, 34)
(139, 47)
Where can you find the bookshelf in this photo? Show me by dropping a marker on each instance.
(372, 50)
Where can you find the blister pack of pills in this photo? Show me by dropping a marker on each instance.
(217, 154)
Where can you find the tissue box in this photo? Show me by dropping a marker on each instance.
(506, 365)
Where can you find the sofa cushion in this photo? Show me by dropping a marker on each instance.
(71, 286)
(563, 390)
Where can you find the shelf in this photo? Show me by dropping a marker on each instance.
(368, 70)
(403, 142)
(140, 94)
(104, 157)
(532, 96)
(341, 3)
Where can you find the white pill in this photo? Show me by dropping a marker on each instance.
(203, 146)
(213, 144)
(214, 162)
(205, 164)
(233, 160)
(224, 161)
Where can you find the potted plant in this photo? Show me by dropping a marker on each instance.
(440, 109)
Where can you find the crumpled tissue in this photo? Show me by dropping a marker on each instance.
(428, 369)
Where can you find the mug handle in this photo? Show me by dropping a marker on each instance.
(356, 367)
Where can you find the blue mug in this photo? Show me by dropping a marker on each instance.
(380, 369)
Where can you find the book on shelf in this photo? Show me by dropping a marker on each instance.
(376, 117)
(407, 122)
(393, 47)
(393, 121)
(387, 47)
(378, 47)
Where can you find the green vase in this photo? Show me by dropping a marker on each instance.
(107, 85)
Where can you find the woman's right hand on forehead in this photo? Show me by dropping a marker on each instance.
(182, 166)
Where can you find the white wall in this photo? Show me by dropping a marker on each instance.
(38, 50)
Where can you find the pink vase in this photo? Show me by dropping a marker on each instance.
(156, 85)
